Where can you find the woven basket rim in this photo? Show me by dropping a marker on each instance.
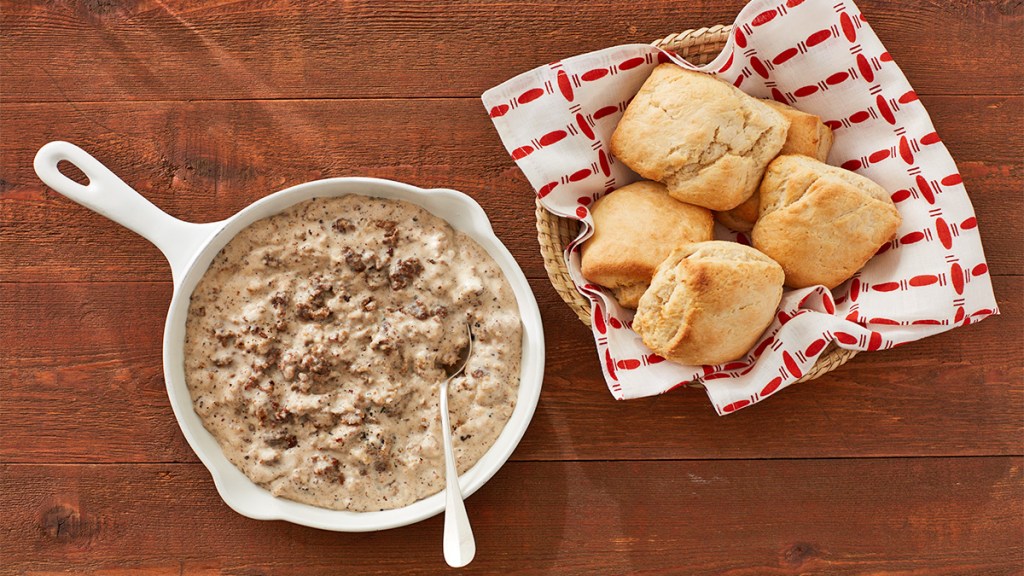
(554, 232)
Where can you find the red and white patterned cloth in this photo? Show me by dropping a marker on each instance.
(821, 57)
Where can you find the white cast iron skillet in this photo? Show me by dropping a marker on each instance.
(191, 247)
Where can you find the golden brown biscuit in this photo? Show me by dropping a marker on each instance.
(742, 217)
(635, 228)
(807, 135)
(819, 222)
(629, 295)
(707, 141)
(709, 302)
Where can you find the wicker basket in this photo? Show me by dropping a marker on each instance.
(554, 233)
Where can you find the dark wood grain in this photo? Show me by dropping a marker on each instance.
(164, 50)
(95, 370)
(205, 161)
(906, 516)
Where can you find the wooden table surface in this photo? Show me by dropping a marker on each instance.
(902, 462)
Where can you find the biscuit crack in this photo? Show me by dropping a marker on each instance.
(859, 208)
(780, 199)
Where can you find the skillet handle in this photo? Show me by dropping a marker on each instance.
(108, 195)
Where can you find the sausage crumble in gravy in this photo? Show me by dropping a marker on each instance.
(317, 340)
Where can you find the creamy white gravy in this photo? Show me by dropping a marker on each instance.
(317, 339)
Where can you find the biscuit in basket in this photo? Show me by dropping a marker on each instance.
(819, 222)
(707, 141)
(742, 217)
(709, 302)
(635, 228)
(807, 135)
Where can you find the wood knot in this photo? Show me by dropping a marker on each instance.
(799, 553)
(100, 7)
(64, 523)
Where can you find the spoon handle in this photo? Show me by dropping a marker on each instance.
(459, 544)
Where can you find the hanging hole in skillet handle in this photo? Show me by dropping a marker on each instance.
(108, 195)
(73, 173)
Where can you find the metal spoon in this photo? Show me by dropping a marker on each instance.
(459, 544)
